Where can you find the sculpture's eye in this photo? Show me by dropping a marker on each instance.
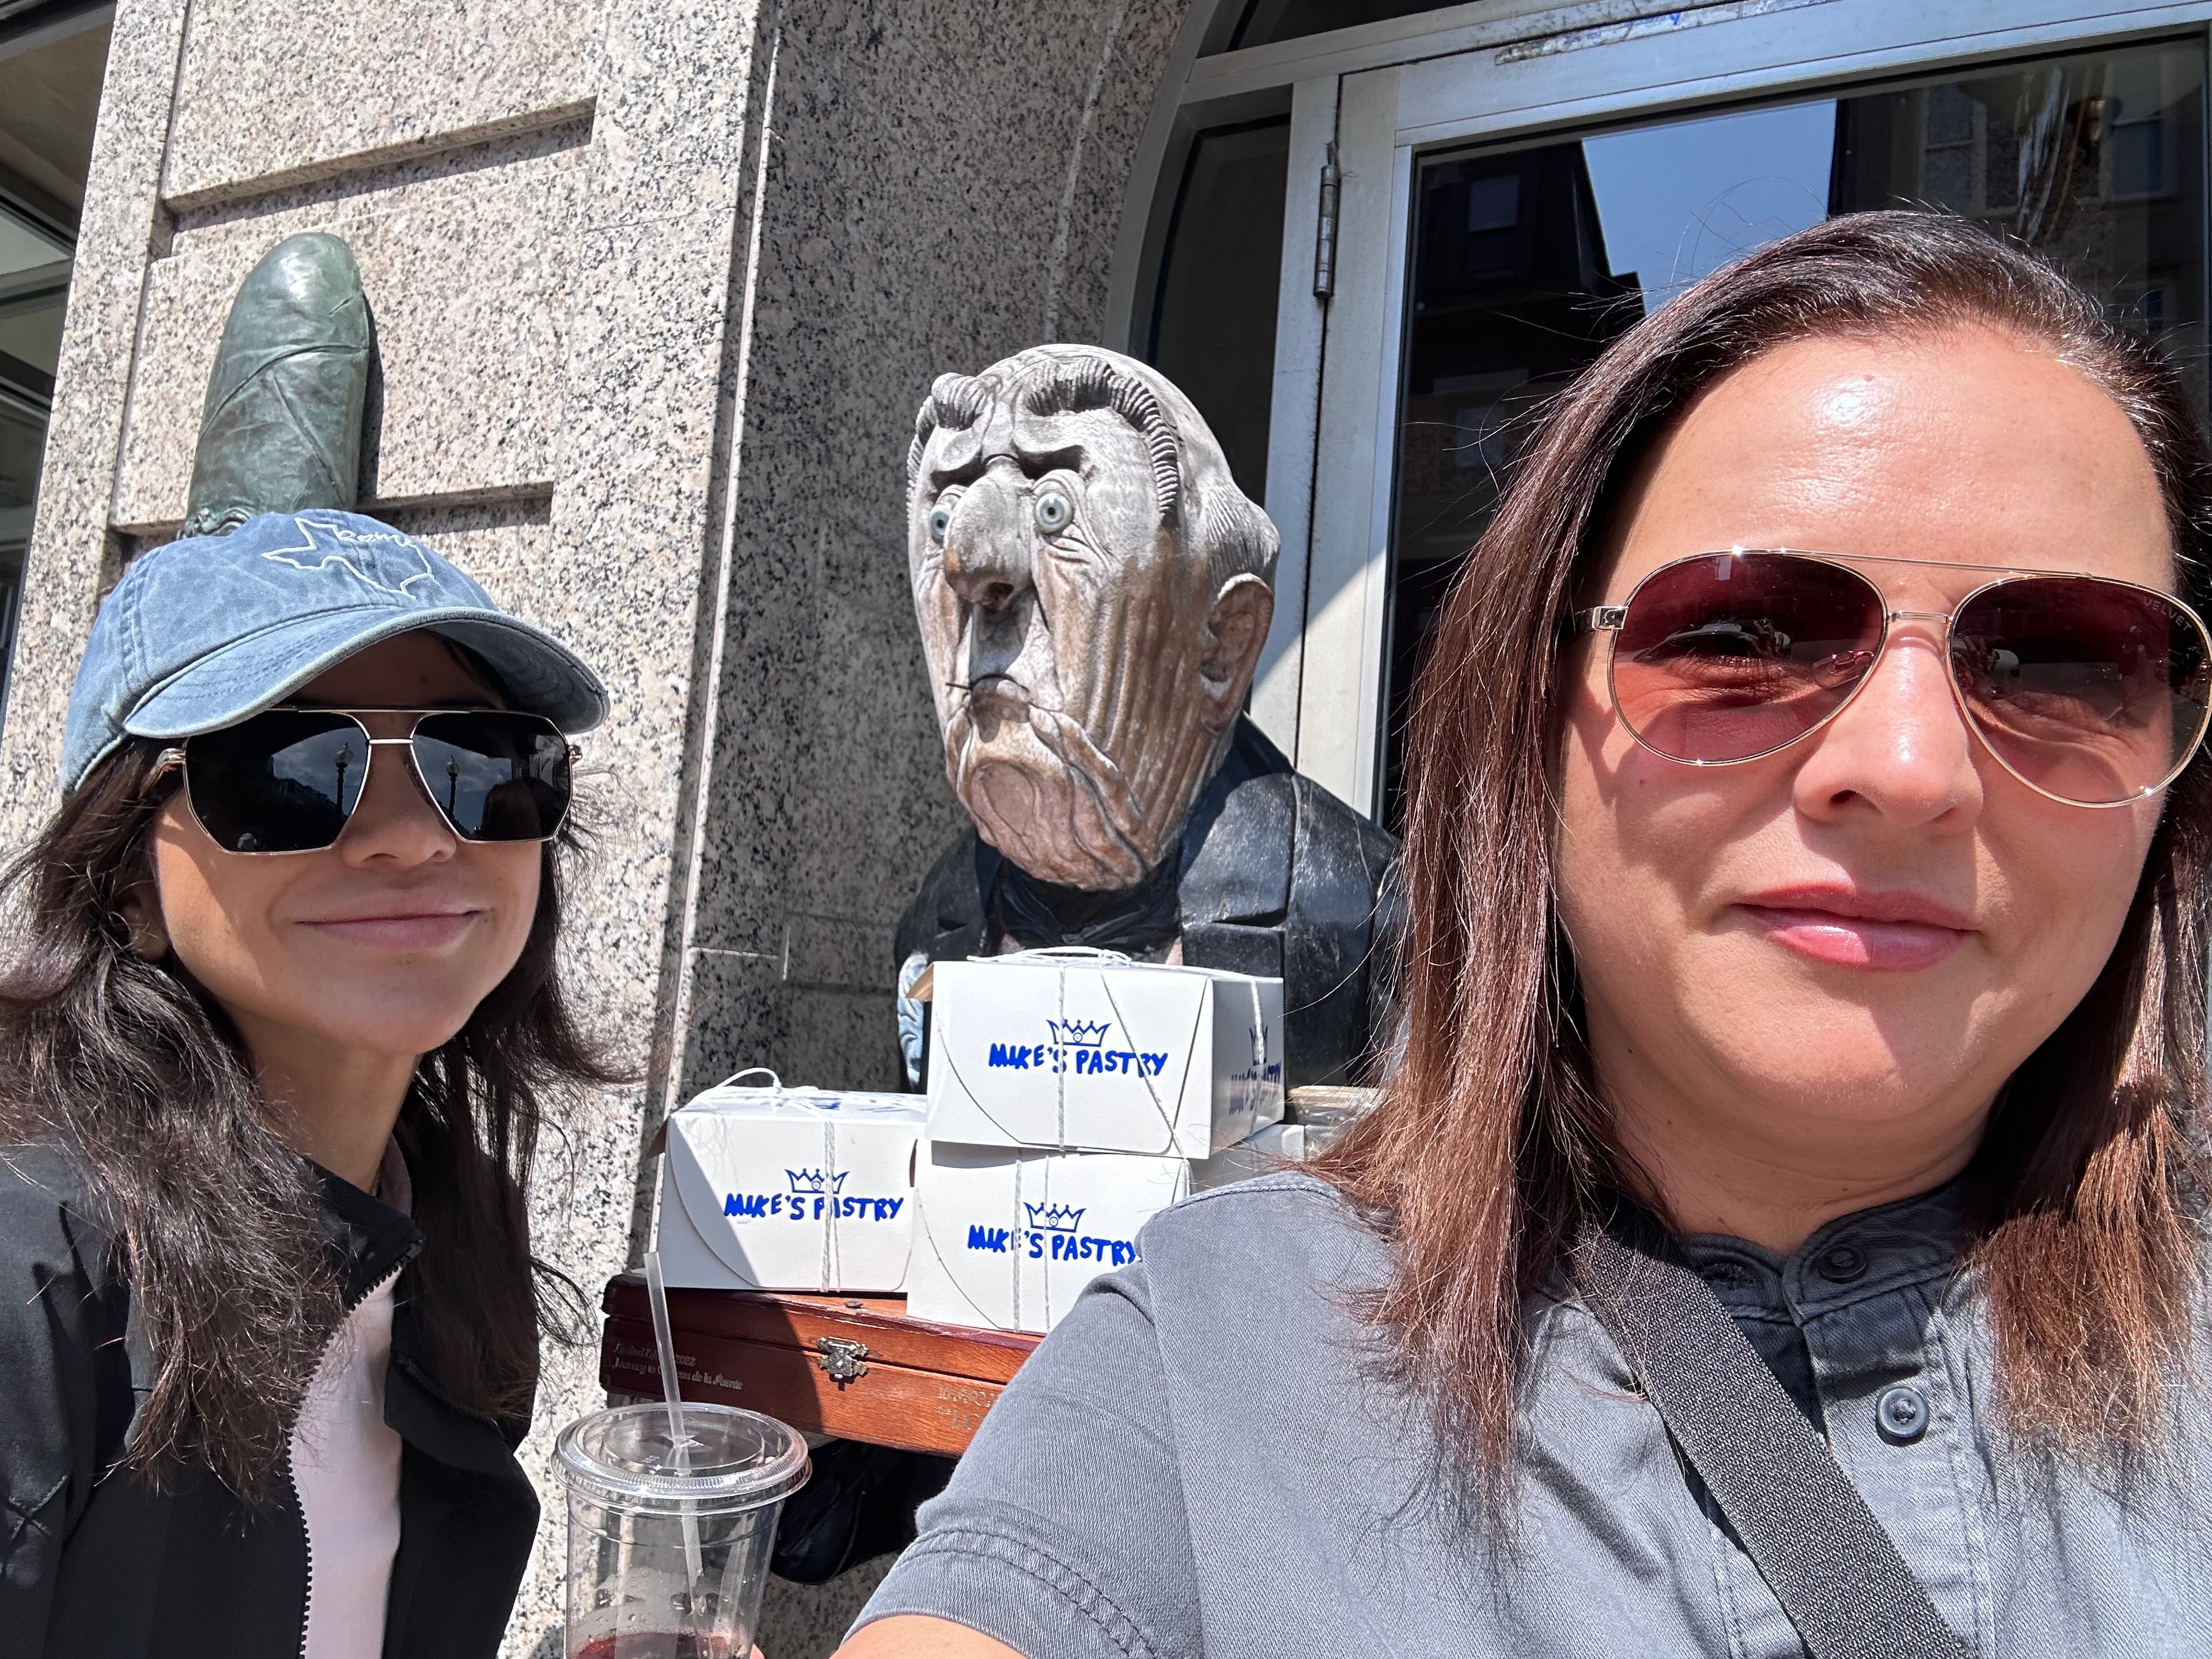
(940, 521)
(1054, 512)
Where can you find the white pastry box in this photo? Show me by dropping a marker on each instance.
(1007, 1238)
(1090, 1051)
(789, 1190)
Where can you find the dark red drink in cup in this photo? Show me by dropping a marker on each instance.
(653, 1644)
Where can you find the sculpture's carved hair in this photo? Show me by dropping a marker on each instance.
(956, 402)
(1236, 536)
(1069, 385)
(1060, 385)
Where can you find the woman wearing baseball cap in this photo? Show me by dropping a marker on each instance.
(277, 1029)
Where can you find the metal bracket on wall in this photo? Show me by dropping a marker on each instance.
(1325, 232)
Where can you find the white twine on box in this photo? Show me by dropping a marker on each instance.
(833, 1257)
(1021, 1238)
(832, 1273)
(1260, 1044)
(1189, 1049)
(775, 1082)
(1058, 953)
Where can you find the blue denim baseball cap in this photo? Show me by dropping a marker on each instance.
(202, 633)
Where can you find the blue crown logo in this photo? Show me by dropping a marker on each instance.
(1055, 1218)
(813, 1181)
(1079, 1033)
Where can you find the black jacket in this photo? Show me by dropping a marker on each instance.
(94, 1563)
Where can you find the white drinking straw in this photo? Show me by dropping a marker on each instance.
(665, 1338)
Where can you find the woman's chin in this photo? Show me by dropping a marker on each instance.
(1811, 1080)
(398, 1031)
(1867, 1058)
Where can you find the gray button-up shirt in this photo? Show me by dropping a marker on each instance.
(1200, 1460)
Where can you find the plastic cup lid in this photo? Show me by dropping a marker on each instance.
(739, 1459)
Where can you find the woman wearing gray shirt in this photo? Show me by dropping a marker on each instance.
(1844, 908)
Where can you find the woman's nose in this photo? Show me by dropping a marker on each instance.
(1901, 746)
(988, 544)
(394, 820)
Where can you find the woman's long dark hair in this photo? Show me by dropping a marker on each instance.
(130, 1065)
(1491, 1147)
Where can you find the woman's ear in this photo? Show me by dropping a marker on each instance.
(140, 911)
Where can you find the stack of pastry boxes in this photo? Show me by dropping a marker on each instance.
(1071, 1096)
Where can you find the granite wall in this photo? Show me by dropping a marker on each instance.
(657, 288)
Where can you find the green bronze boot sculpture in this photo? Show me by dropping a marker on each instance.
(282, 430)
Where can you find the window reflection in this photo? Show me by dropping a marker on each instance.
(2096, 161)
(1526, 262)
(1213, 319)
(50, 80)
(22, 442)
(34, 269)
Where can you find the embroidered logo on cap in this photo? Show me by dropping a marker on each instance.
(344, 547)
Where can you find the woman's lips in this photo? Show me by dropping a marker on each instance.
(1886, 933)
(419, 930)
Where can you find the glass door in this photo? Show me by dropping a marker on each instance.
(1489, 249)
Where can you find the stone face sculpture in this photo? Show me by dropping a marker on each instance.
(281, 431)
(1092, 601)
(1093, 592)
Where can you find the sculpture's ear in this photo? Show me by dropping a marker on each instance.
(1235, 628)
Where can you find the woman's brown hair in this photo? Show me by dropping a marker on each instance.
(1491, 1148)
(130, 1065)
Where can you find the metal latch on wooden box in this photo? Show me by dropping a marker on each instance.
(842, 1360)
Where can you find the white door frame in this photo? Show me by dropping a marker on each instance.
(1384, 93)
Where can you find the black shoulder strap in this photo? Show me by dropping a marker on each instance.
(1835, 1572)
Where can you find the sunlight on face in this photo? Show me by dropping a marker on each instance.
(1863, 933)
(385, 942)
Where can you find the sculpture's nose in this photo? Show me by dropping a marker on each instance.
(988, 544)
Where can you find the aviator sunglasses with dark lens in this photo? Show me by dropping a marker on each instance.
(2091, 691)
(287, 780)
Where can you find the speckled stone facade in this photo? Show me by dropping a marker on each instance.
(657, 288)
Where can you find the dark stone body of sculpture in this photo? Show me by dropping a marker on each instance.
(1272, 875)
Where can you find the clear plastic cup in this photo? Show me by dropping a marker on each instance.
(637, 1521)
